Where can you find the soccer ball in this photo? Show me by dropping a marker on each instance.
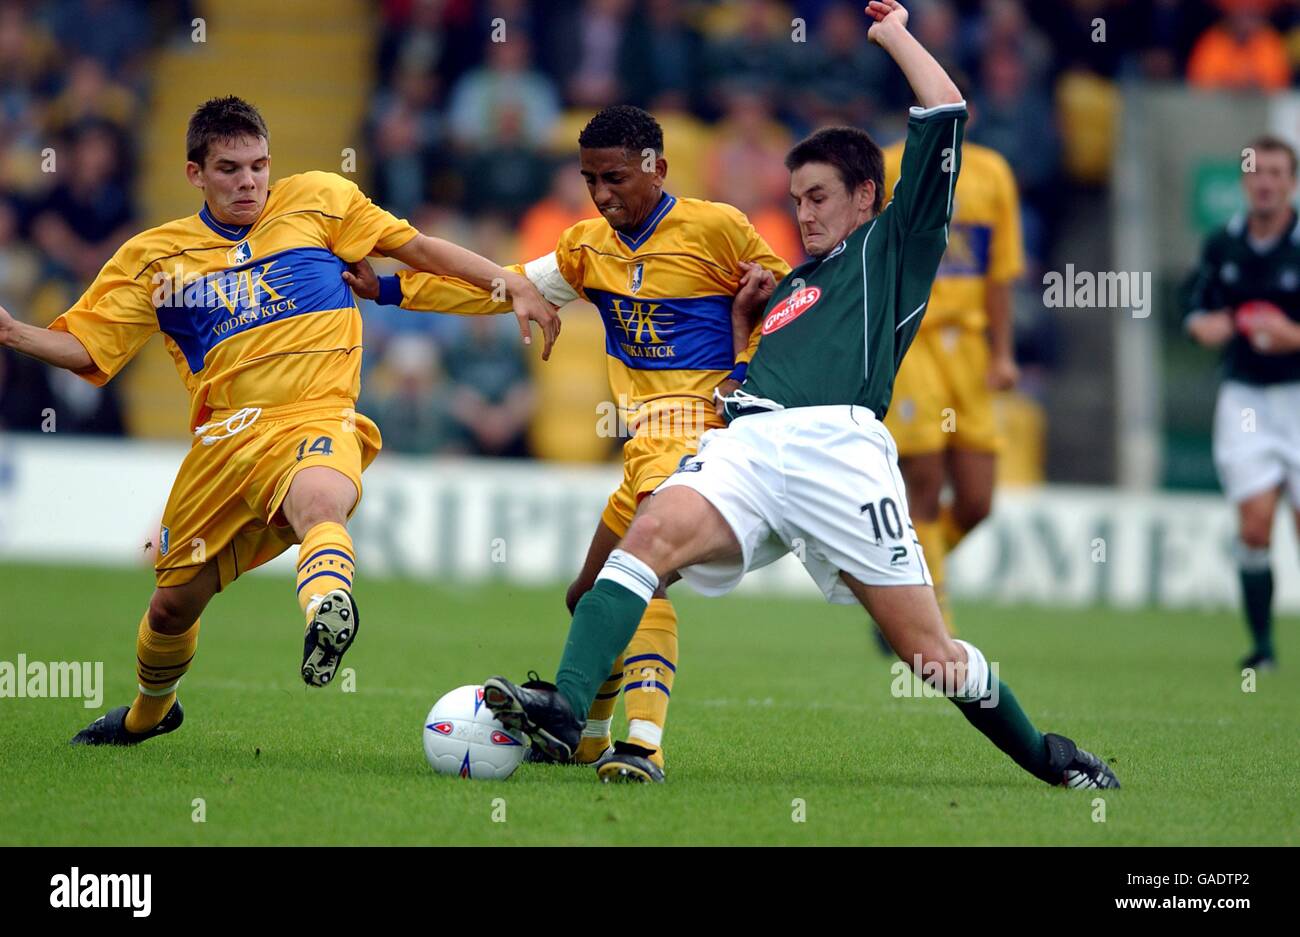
(462, 737)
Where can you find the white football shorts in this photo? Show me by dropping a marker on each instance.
(819, 482)
(1257, 439)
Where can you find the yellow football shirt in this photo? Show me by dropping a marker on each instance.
(984, 242)
(664, 294)
(253, 316)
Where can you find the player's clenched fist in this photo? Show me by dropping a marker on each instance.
(363, 279)
(888, 14)
(757, 284)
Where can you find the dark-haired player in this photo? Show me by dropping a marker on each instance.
(662, 271)
(1245, 299)
(249, 297)
(805, 459)
(941, 415)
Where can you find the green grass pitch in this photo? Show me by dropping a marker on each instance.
(777, 703)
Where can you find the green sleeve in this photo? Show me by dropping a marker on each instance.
(1203, 291)
(927, 178)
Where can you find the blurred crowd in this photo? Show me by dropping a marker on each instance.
(74, 83)
(472, 134)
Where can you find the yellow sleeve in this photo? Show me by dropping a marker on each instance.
(364, 227)
(1007, 251)
(569, 257)
(753, 249)
(114, 317)
(757, 251)
(893, 165)
(428, 292)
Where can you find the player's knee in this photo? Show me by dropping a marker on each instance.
(317, 506)
(1256, 532)
(647, 540)
(169, 613)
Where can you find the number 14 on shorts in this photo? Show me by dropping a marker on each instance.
(322, 446)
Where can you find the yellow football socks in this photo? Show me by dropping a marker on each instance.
(595, 736)
(935, 547)
(325, 562)
(161, 661)
(648, 669)
(952, 532)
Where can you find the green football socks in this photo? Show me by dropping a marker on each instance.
(603, 623)
(1006, 726)
(1257, 599)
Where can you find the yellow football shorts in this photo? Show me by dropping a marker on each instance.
(225, 502)
(941, 395)
(649, 458)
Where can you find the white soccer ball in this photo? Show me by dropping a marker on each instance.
(462, 737)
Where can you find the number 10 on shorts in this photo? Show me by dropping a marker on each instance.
(886, 514)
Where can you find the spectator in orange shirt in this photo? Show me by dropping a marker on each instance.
(1242, 52)
(565, 204)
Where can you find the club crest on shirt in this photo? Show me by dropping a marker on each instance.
(163, 537)
(1288, 279)
(1228, 272)
(239, 254)
(635, 277)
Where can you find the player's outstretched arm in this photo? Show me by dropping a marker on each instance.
(437, 256)
(930, 83)
(921, 199)
(61, 349)
(428, 292)
(425, 292)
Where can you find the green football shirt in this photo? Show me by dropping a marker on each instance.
(836, 329)
(1233, 272)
